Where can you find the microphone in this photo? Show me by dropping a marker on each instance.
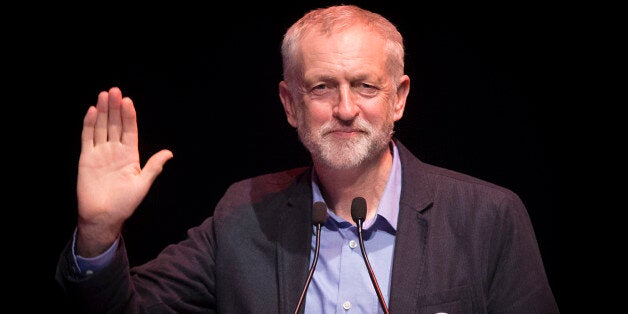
(358, 214)
(319, 216)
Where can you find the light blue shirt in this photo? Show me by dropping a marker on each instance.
(341, 281)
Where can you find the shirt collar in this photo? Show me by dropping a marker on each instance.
(389, 204)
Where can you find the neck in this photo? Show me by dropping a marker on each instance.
(340, 187)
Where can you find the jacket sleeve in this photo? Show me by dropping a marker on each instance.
(517, 279)
(180, 279)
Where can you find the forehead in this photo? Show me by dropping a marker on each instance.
(355, 36)
(356, 46)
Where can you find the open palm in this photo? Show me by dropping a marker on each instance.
(111, 182)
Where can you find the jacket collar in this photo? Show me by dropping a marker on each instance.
(294, 244)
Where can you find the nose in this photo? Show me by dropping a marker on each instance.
(346, 109)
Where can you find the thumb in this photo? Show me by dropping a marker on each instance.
(155, 164)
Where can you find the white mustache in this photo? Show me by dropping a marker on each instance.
(357, 126)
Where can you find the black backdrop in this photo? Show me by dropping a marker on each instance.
(205, 84)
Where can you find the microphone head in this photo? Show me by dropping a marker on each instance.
(358, 209)
(319, 213)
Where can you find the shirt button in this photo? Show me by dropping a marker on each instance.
(346, 305)
(353, 244)
(89, 272)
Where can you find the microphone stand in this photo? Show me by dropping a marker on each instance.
(319, 216)
(358, 213)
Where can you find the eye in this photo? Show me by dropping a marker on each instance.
(367, 89)
(320, 89)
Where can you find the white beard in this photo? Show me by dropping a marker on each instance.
(345, 153)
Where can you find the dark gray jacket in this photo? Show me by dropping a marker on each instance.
(463, 245)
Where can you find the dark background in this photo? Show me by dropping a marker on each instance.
(204, 80)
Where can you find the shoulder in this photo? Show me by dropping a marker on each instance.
(454, 181)
(431, 185)
(257, 204)
(264, 191)
(268, 183)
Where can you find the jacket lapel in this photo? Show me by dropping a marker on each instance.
(294, 243)
(412, 230)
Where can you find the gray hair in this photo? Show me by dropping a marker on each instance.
(336, 18)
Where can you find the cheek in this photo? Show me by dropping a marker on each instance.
(315, 115)
(377, 115)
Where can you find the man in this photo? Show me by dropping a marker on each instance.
(437, 240)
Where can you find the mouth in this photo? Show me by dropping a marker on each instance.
(345, 133)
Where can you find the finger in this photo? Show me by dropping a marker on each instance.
(87, 136)
(129, 122)
(114, 124)
(100, 128)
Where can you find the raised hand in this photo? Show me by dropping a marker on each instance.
(111, 182)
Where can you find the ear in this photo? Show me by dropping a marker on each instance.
(288, 103)
(402, 94)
